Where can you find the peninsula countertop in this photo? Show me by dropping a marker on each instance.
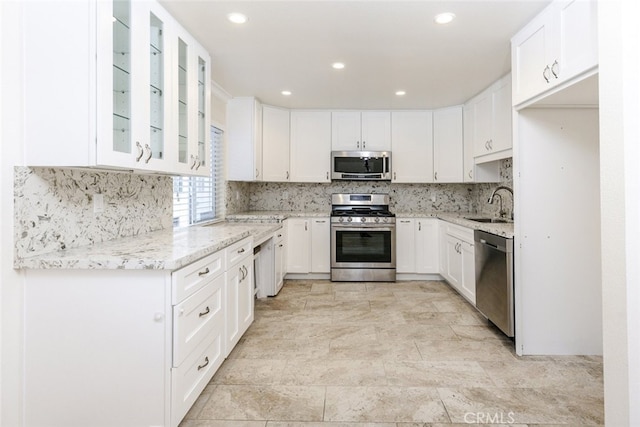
(158, 250)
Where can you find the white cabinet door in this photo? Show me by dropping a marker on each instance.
(244, 139)
(468, 282)
(453, 262)
(405, 246)
(482, 123)
(376, 131)
(298, 244)
(232, 334)
(468, 146)
(279, 258)
(190, 111)
(364, 131)
(275, 144)
(245, 295)
(320, 245)
(310, 146)
(447, 144)
(501, 123)
(426, 245)
(345, 131)
(530, 49)
(412, 146)
(576, 37)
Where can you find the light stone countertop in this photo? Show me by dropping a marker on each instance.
(158, 250)
(504, 230)
(500, 229)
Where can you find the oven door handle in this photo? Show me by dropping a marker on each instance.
(364, 228)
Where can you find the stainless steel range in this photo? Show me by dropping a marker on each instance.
(363, 238)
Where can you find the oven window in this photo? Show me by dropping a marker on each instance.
(363, 246)
(359, 166)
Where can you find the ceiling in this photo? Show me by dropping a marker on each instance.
(386, 46)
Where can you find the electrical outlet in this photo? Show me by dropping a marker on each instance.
(433, 197)
(98, 203)
(237, 195)
(285, 195)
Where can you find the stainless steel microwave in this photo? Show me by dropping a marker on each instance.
(361, 165)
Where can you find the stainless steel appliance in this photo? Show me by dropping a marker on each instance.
(363, 238)
(494, 279)
(361, 165)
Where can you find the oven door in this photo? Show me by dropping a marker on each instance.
(363, 246)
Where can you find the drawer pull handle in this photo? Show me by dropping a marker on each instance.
(202, 273)
(280, 245)
(205, 312)
(241, 251)
(206, 362)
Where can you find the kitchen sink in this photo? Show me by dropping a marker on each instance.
(491, 220)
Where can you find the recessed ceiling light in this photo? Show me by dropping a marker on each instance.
(237, 18)
(286, 92)
(401, 93)
(444, 18)
(338, 65)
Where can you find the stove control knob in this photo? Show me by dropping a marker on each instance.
(385, 219)
(340, 219)
(349, 219)
(377, 219)
(363, 219)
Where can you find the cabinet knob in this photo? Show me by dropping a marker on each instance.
(327, 176)
(198, 162)
(435, 176)
(158, 317)
(470, 174)
(287, 175)
(394, 176)
(364, 144)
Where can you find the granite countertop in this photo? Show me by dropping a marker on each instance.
(500, 229)
(504, 230)
(158, 250)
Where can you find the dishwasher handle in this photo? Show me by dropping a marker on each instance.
(499, 243)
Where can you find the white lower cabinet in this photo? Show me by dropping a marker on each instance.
(457, 259)
(308, 245)
(135, 346)
(239, 291)
(417, 245)
(280, 258)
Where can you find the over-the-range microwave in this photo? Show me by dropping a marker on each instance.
(361, 165)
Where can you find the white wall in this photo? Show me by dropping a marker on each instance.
(619, 39)
(11, 297)
(558, 284)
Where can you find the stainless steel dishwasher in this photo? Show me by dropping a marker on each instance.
(494, 279)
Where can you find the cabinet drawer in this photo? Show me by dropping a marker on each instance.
(238, 250)
(462, 233)
(196, 318)
(193, 277)
(191, 377)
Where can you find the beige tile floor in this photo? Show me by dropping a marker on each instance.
(325, 354)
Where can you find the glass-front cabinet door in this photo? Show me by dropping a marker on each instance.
(191, 106)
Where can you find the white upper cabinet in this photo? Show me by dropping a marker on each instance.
(447, 145)
(191, 115)
(244, 139)
(412, 146)
(489, 114)
(361, 131)
(472, 171)
(310, 146)
(111, 101)
(558, 45)
(275, 144)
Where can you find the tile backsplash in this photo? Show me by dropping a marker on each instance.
(54, 207)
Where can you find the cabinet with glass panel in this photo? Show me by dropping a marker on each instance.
(119, 110)
(192, 105)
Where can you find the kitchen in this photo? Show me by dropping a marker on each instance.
(611, 200)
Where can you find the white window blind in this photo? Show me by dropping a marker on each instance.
(199, 199)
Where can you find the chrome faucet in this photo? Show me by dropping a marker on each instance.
(493, 195)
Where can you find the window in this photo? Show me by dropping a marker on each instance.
(199, 199)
